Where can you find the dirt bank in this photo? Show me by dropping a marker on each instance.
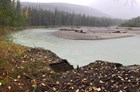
(99, 76)
(39, 70)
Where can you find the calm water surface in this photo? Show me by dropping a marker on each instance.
(82, 52)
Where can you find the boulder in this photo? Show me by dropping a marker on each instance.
(61, 66)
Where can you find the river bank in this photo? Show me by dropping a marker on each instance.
(95, 33)
(99, 76)
(24, 68)
(36, 74)
(35, 69)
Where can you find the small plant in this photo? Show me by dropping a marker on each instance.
(4, 81)
(8, 38)
(5, 67)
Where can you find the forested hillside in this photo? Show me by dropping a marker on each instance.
(134, 22)
(12, 14)
(70, 8)
(41, 17)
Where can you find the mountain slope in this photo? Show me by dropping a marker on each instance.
(78, 9)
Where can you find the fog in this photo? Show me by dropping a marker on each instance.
(118, 8)
(115, 8)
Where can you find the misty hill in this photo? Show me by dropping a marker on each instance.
(78, 9)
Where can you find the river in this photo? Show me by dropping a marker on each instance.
(82, 52)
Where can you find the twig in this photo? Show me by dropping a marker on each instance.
(34, 45)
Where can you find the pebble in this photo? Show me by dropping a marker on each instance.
(9, 87)
(102, 77)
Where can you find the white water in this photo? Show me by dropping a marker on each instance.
(82, 52)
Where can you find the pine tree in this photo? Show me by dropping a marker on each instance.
(10, 13)
(5, 12)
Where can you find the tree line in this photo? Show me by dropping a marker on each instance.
(40, 17)
(134, 22)
(11, 13)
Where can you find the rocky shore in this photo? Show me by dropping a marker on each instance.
(99, 76)
(40, 70)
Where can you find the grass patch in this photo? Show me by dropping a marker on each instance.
(9, 51)
(4, 81)
(5, 67)
(8, 38)
(35, 68)
(14, 73)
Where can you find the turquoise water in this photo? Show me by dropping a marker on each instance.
(83, 52)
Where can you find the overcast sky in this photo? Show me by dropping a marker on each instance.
(116, 8)
(79, 2)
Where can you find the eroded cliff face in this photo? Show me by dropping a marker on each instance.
(53, 61)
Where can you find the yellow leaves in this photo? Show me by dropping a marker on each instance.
(25, 56)
(10, 51)
(26, 13)
(96, 89)
(33, 82)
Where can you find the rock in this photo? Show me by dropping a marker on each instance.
(75, 30)
(124, 32)
(131, 67)
(37, 72)
(61, 66)
(117, 32)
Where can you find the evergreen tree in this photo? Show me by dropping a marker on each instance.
(5, 12)
(40, 17)
(134, 22)
(10, 13)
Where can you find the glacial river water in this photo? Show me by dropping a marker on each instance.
(82, 52)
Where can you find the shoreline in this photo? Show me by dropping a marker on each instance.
(36, 69)
(93, 33)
